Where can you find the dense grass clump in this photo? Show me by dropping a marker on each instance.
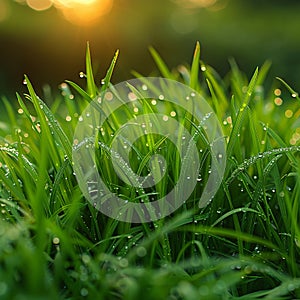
(244, 245)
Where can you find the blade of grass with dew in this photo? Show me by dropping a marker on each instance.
(109, 72)
(294, 94)
(45, 113)
(241, 115)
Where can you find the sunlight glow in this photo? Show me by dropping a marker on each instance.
(213, 5)
(39, 4)
(83, 12)
(4, 10)
(196, 3)
(79, 12)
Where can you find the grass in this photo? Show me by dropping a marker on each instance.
(244, 245)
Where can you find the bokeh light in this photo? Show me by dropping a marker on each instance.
(83, 12)
(79, 12)
(39, 5)
(4, 10)
(219, 4)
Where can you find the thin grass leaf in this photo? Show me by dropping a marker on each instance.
(160, 64)
(44, 111)
(91, 85)
(80, 91)
(109, 72)
(290, 89)
(195, 68)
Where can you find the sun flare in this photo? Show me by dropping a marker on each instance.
(83, 12)
(79, 12)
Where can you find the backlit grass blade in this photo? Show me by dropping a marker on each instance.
(91, 85)
(109, 72)
(194, 81)
(160, 64)
(241, 114)
(49, 120)
(80, 91)
(289, 88)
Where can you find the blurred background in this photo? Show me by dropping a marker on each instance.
(46, 39)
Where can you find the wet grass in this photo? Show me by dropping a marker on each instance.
(244, 245)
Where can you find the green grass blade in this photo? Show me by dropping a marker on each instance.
(195, 68)
(160, 64)
(91, 85)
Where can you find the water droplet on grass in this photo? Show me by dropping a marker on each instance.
(294, 95)
(203, 68)
(56, 241)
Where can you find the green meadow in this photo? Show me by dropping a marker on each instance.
(245, 244)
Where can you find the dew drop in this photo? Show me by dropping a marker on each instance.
(132, 96)
(56, 241)
(294, 95)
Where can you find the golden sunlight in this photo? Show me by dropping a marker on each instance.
(83, 12)
(39, 4)
(79, 12)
